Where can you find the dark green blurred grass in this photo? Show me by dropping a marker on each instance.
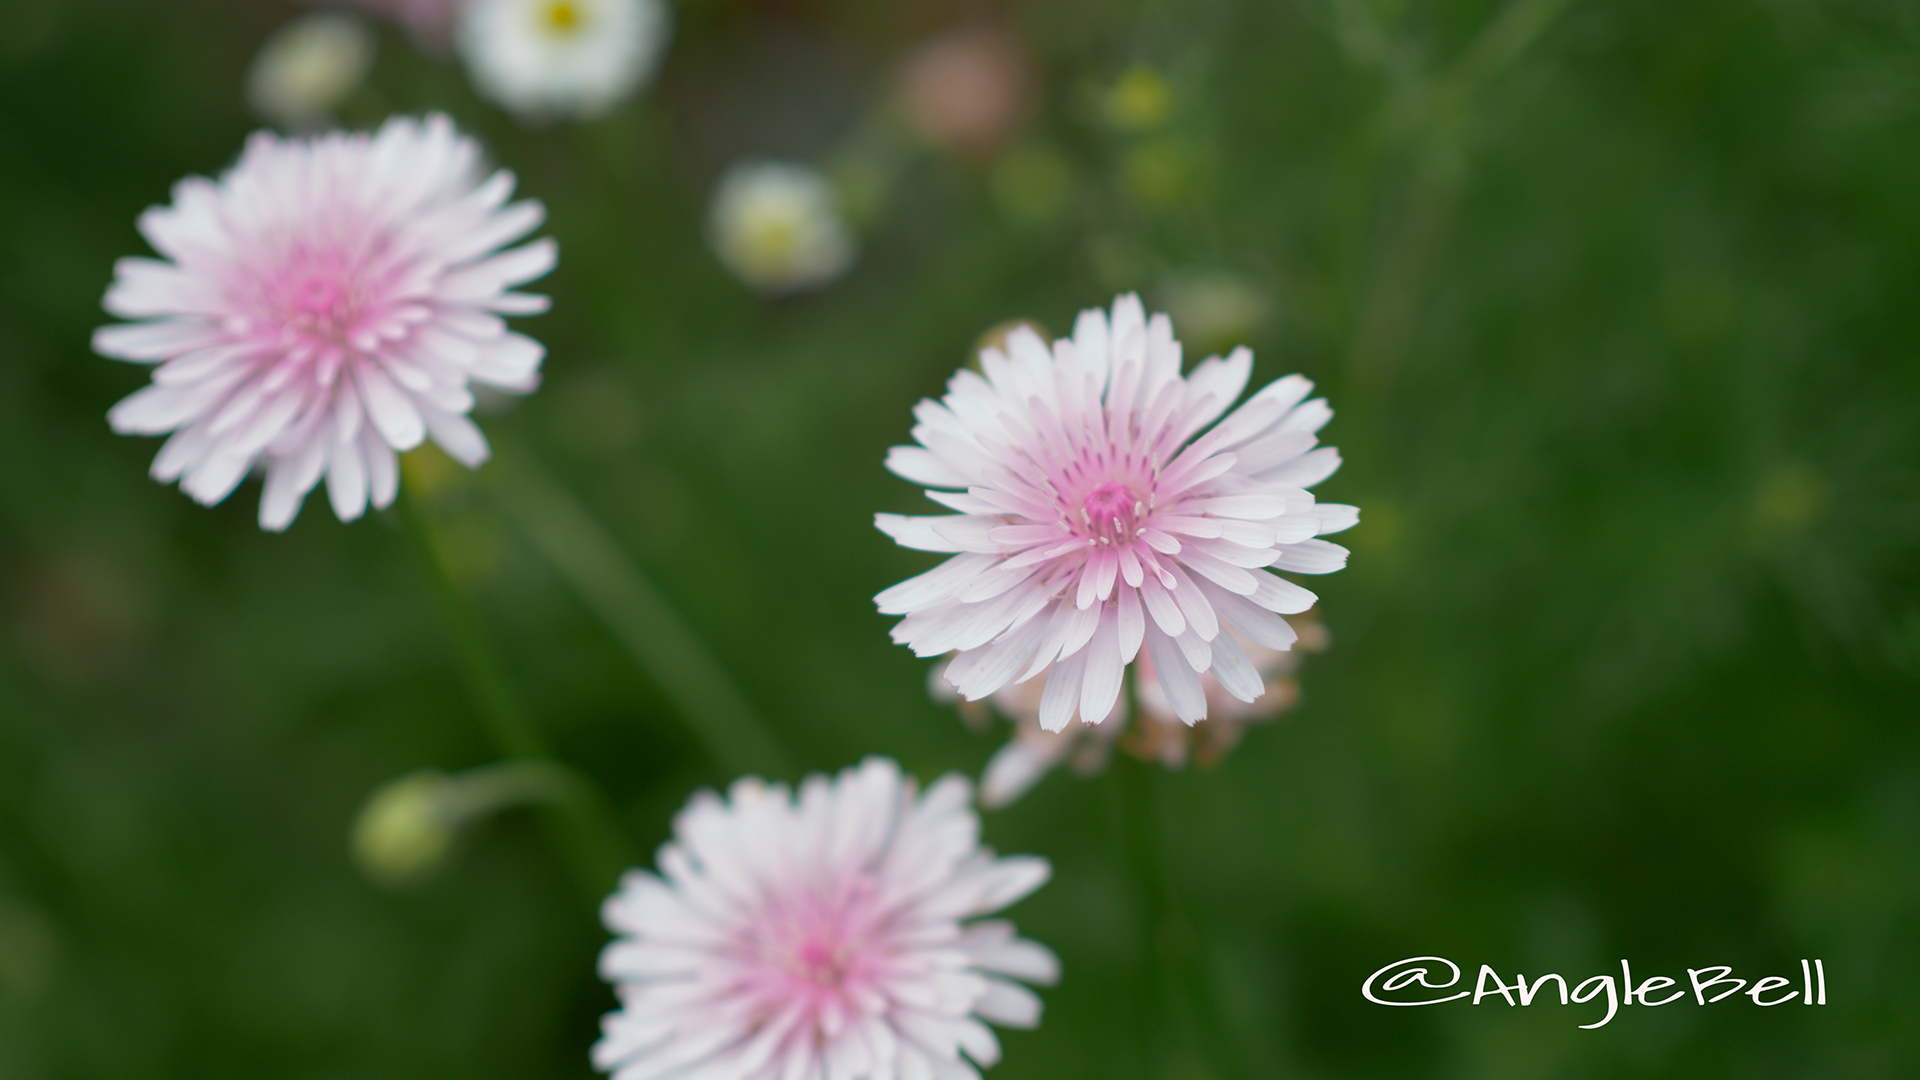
(1621, 339)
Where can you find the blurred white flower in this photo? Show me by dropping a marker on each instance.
(562, 59)
(308, 67)
(820, 936)
(777, 226)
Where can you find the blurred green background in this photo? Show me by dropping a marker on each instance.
(1615, 302)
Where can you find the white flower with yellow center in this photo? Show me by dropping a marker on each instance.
(777, 226)
(552, 59)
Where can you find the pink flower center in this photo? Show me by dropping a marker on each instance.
(819, 951)
(318, 296)
(1111, 514)
(320, 305)
(822, 962)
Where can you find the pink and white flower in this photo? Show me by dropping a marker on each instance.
(1092, 521)
(820, 937)
(323, 304)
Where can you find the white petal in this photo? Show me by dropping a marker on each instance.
(1306, 470)
(1100, 685)
(460, 437)
(1177, 679)
(1062, 695)
(1225, 379)
(347, 480)
(392, 411)
(1197, 652)
(1009, 1004)
(1011, 878)
(1259, 625)
(922, 467)
(487, 279)
(1235, 673)
(1308, 416)
(982, 671)
(1245, 507)
(215, 477)
(1335, 517)
(512, 363)
(933, 586)
(1161, 605)
(913, 532)
(1199, 613)
(1278, 451)
(184, 450)
(1229, 554)
(968, 532)
(152, 410)
(1132, 624)
(151, 341)
(1229, 577)
(383, 471)
(289, 478)
(993, 947)
(1311, 557)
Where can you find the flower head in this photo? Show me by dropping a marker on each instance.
(777, 226)
(308, 67)
(323, 304)
(820, 936)
(1098, 513)
(548, 59)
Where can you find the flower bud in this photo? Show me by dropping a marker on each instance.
(308, 67)
(407, 828)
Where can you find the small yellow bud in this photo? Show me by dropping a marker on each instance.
(407, 828)
(410, 826)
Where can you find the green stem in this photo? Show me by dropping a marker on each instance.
(578, 817)
(1173, 955)
(1141, 856)
(574, 809)
(644, 621)
(513, 735)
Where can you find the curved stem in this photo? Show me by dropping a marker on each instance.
(576, 811)
(578, 816)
